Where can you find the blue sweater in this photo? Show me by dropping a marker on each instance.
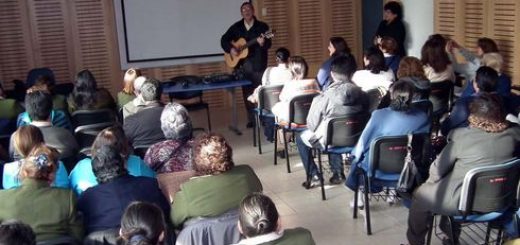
(323, 76)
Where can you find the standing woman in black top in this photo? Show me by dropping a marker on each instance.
(392, 26)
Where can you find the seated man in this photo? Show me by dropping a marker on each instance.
(144, 127)
(137, 103)
(342, 98)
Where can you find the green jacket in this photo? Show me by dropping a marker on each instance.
(51, 212)
(9, 109)
(123, 98)
(213, 195)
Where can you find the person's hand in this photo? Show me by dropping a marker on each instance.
(260, 40)
(233, 52)
(449, 46)
(377, 40)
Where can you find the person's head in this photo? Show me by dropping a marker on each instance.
(298, 67)
(388, 45)
(411, 67)
(486, 80)
(138, 83)
(338, 46)
(212, 155)
(107, 164)
(342, 68)
(257, 215)
(247, 11)
(40, 164)
(13, 232)
(374, 60)
(282, 55)
(493, 60)
(142, 223)
(129, 78)
(34, 74)
(113, 136)
(486, 45)
(392, 11)
(25, 138)
(401, 95)
(151, 90)
(38, 105)
(85, 89)
(486, 112)
(176, 122)
(434, 55)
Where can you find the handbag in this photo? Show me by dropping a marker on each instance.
(410, 177)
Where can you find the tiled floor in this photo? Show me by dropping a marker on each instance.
(329, 221)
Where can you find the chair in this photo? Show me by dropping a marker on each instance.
(212, 230)
(342, 135)
(441, 96)
(191, 106)
(298, 109)
(88, 123)
(426, 106)
(375, 97)
(386, 161)
(486, 194)
(267, 97)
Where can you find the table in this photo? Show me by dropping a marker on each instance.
(228, 86)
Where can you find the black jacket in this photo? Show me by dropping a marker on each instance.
(144, 127)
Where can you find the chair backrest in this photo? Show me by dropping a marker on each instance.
(490, 188)
(89, 117)
(299, 107)
(441, 96)
(268, 96)
(374, 98)
(387, 153)
(345, 131)
(216, 230)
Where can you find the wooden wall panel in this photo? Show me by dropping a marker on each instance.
(504, 20)
(346, 22)
(278, 19)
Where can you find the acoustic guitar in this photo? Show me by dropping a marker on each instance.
(241, 46)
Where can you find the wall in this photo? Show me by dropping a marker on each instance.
(372, 16)
(418, 20)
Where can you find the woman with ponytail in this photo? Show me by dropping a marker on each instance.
(260, 223)
(142, 224)
(398, 119)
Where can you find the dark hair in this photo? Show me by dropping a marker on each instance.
(142, 223)
(487, 45)
(258, 215)
(489, 107)
(14, 232)
(395, 8)
(151, 90)
(247, 3)
(340, 46)
(486, 79)
(282, 55)
(389, 44)
(433, 53)
(38, 105)
(113, 136)
(376, 60)
(343, 67)
(85, 90)
(212, 155)
(107, 164)
(401, 95)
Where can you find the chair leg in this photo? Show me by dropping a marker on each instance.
(356, 196)
(430, 231)
(323, 197)
(367, 206)
(488, 233)
(275, 144)
(499, 236)
(286, 151)
(254, 130)
(451, 230)
(209, 119)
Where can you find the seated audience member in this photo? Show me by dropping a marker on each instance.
(127, 94)
(376, 74)
(87, 96)
(24, 140)
(342, 98)
(411, 70)
(219, 186)
(137, 103)
(437, 64)
(103, 205)
(143, 224)
(144, 127)
(9, 110)
(337, 46)
(485, 82)
(39, 108)
(51, 212)
(495, 61)
(260, 223)
(58, 117)
(400, 118)
(175, 153)
(59, 101)
(82, 176)
(440, 194)
(469, 68)
(389, 47)
(13, 232)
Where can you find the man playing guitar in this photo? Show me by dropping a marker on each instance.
(253, 66)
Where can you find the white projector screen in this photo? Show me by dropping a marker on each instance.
(158, 33)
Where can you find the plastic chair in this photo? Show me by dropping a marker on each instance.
(88, 123)
(441, 96)
(386, 161)
(298, 110)
(487, 193)
(268, 96)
